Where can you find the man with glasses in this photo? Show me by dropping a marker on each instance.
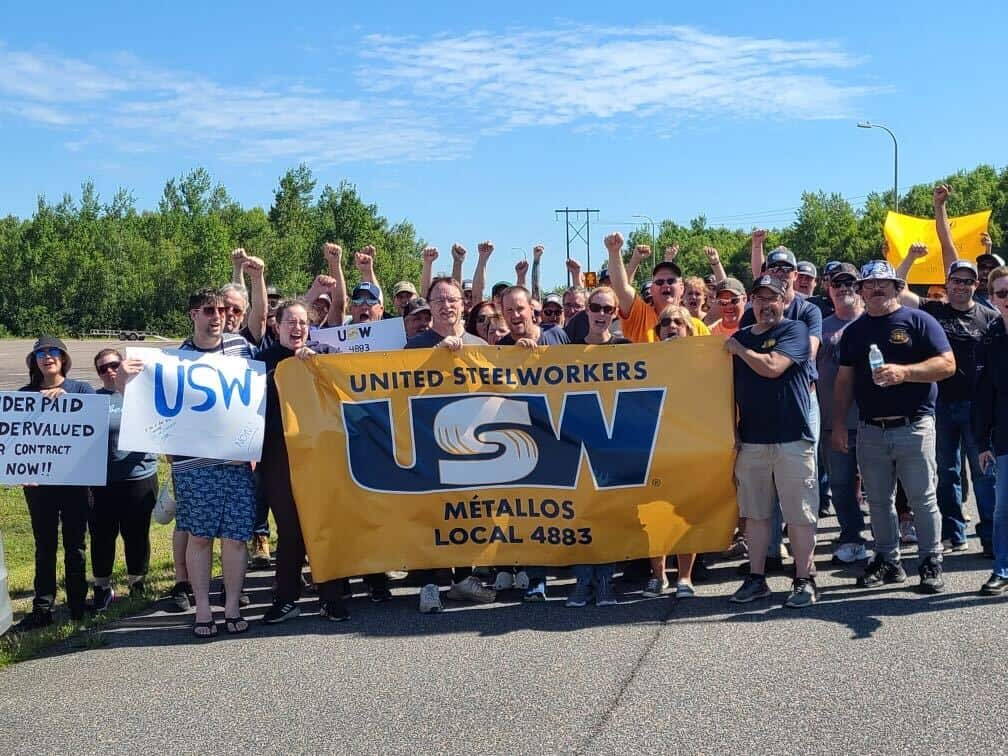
(730, 296)
(896, 430)
(842, 465)
(776, 463)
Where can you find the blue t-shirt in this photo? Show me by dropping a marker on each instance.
(905, 337)
(124, 465)
(69, 385)
(799, 309)
(775, 410)
(547, 337)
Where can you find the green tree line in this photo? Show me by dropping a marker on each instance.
(81, 264)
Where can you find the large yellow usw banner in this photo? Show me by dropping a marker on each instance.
(903, 230)
(503, 456)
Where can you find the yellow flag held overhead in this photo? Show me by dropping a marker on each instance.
(903, 230)
(568, 455)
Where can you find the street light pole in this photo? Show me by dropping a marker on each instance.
(654, 238)
(870, 125)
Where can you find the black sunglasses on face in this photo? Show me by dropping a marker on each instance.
(107, 366)
(552, 312)
(659, 282)
(596, 307)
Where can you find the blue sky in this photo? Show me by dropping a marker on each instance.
(476, 121)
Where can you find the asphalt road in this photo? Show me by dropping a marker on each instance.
(885, 671)
(14, 371)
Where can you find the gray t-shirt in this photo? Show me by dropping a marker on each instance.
(431, 338)
(827, 364)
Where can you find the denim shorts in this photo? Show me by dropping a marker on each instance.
(216, 502)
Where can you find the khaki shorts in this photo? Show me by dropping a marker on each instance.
(765, 473)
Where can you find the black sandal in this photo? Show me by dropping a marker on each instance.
(210, 625)
(236, 625)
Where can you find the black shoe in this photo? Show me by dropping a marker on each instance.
(931, 576)
(879, 571)
(280, 612)
(995, 585)
(826, 510)
(179, 600)
(102, 599)
(138, 589)
(243, 600)
(380, 593)
(39, 617)
(334, 611)
(772, 564)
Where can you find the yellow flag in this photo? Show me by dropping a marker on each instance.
(903, 230)
(503, 456)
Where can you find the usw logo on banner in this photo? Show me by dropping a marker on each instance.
(491, 456)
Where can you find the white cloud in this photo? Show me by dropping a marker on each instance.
(431, 98)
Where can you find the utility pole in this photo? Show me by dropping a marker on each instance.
(577, 227)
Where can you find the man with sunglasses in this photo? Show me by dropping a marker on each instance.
(896, 430)
(824, 301)
(986, 262)
(552, 311)
(638, 320)
(841, 465)
(730, 296)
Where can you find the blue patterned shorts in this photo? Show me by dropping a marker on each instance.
(216, 502)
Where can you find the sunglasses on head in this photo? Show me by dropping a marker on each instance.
(659, 282)
(53, 352)
(107, 366)
(211, 310)
(596, 307)
(369, 301)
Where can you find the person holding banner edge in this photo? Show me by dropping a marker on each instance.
(52, 506)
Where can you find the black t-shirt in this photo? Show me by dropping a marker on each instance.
(799, 309)
(577, 327)
(547, 337)
(774, 410)
(965, 330)
(431, 338)
(824, 303)
(905, 337)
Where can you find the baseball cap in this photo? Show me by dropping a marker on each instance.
(768, 282)
(831, 267)
(603, 272)
(366, 288)
(499, 287)
(991, 256)
(324, 296)
(467, 285)
(416, 305)
(729, 284)
(670, 265)
(843, 270)
(806, 268)
(553, 299)
(48, 342)
(273, 291)
(780, 256)
(963, 265)
(402, 286)
(879, 270)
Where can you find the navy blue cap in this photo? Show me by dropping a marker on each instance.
(368, 288)
(958, 265)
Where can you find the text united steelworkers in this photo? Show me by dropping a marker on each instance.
(552, 375)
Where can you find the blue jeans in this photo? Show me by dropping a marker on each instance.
(952, 427)
(777, 521)
(1000, 535)
(843, 471)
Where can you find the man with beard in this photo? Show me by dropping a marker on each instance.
(552, 311)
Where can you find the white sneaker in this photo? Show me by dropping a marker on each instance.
(908, 533)
(430, 599)
(504, 582)
(521, 581)
(471, 589)
(850, 552)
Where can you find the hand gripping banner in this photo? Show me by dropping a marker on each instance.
(502, 456)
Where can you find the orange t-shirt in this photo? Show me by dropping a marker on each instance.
(718, 329)
(640, 322)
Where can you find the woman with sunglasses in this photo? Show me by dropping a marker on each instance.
(50, 506)
(990, 425)
(478, 320)
(674, 322)
(124, 504)
(595, 580)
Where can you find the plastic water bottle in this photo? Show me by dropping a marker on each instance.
(875, 359)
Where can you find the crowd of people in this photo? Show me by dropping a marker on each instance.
(850, 389)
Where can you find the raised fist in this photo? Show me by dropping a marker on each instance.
(458, 252)
(334, 251)
(254, 265)
(573, 266)
(985, 239)
(941, 193)
(537, 251)
(712, 255)
(365, 258)
(671, 252)
(485, 248)
(328, 283)
(642, 251)
(238, 254)
(522, 268)
(759, 235)
(917, 250)
(614, 241)
(430, 254)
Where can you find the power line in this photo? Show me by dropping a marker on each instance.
(585, 227)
